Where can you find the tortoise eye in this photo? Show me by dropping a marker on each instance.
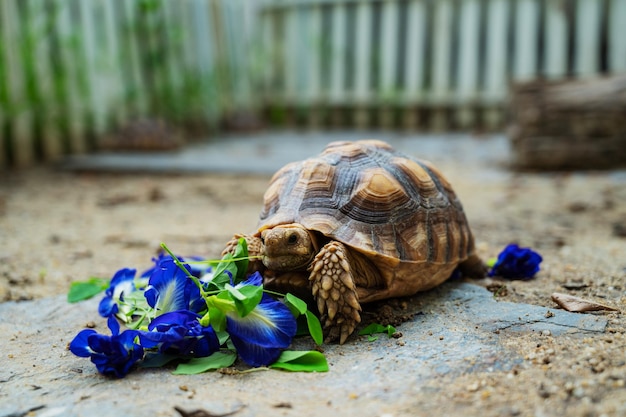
(292, 239)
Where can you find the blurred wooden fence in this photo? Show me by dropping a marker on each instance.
(436, 64)
(73, 70)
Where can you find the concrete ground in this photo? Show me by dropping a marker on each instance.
(467, 350)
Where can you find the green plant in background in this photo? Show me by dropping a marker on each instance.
(174, 88)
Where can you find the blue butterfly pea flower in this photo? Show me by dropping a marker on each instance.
(121, 283)
(112, 355)
(201, 271)
(180, 332)
(169, 289)
(262, 334)
(516, 263)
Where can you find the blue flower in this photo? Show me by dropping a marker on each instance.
(260, 336)
(201, 271)
(169, 289)
(112, 355)
(121, 283)
(181, 332)
(516, 263)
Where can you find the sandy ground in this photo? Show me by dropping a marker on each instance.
(57, 227)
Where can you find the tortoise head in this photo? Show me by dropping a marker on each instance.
(287, 247)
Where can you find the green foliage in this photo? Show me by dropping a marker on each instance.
(298, 307)
(301, 361)
(375, 328)
(83, 290)
(218, 360)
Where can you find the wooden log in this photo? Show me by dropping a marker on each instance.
(571, 124)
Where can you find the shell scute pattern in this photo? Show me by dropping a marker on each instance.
(373, 199)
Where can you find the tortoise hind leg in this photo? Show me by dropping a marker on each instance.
(334, 290)
(473, 267)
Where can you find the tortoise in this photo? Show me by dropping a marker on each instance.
(358, 223)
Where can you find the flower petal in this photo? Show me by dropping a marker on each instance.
(255, 279)
(79, 346)
(169, 289)
(182, 332)
(113, 325)
(255, 355)
(516, 263)
(261, 334)
(107, 306)
(196, 269)
(122, 282)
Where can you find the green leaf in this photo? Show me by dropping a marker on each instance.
(217, 319)
(241, 254)
(246, 298)
(157, 360)
(378, 328)
(315, 327)
(295, 304)
(371, 338)
(224, 270)
(222, 336)
(235, 293)
(301, 361)
(217, 360)
(83, 290)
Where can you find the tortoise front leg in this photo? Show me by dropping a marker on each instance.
(334, 290)
(254, 249)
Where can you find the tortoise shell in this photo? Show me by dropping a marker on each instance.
(398, 211)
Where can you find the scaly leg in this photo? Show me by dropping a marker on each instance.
(335, 292)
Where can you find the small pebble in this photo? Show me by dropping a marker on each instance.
(473, 387)
(546, 333)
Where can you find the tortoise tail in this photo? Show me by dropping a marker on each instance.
(473, 267)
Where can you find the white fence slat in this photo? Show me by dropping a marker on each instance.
(74, 73)
(292, 47)
(206, 58)
(526, 34)
(127, 27)
(117, 110)
(176, 66)
(467, 66)
(312, 54)
(240, 28)
(51, 141)
(96, 90)
(555, 52)
(496, 77)
(23, 141)
(363, 57)
(587, 37)
(6, 113)
(303, 53)
(415, 51)
(442, 51)
(496, 51)
(388, 49)
(266, 54)
(338, 53)
(617, 36)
